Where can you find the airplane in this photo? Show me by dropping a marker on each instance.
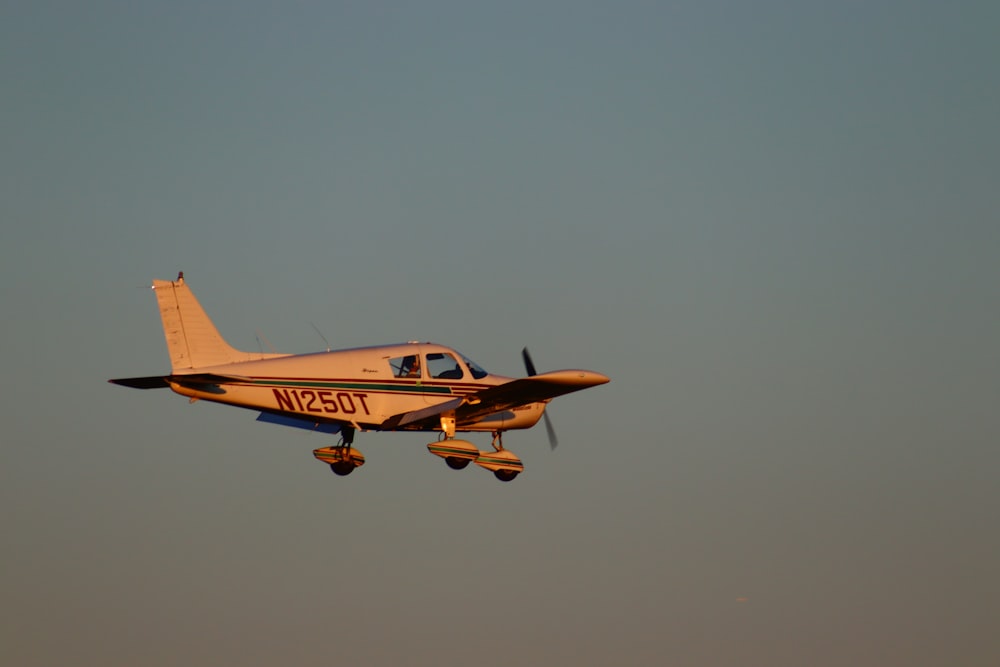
(412, 386)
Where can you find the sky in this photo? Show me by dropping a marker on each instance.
(772, 224)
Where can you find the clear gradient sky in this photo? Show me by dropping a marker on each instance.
(773, 224)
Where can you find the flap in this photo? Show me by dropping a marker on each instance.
(307, 423)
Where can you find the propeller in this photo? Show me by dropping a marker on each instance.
(529, 366)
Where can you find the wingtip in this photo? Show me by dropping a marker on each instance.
(576, 377)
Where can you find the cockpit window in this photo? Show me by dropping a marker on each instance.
(406, 367)
(474, 368)
(443, 366)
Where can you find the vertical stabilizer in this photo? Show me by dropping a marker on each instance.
(192, 339)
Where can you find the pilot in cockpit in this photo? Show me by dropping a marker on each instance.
(410, 367)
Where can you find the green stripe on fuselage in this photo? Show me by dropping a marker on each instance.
(370, 386)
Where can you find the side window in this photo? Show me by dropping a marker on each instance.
(406, 367)
(443, 366)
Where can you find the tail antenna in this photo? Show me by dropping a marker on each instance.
(262, 337)
(320, 333)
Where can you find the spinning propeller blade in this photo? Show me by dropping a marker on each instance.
(529, 366)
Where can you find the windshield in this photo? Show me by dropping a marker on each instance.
(476, 370)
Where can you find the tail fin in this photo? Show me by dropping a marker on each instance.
(192, 339)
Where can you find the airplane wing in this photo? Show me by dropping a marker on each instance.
(308, 423)
(498, 398)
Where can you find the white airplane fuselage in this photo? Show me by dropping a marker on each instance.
(356, 386)
(404, 387)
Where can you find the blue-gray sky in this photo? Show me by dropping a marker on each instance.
(773, 224)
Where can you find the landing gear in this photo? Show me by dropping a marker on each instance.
(504, 465)
(505, 475)
(342, 458)
(456, 453)
(456, 463)
(342, 468)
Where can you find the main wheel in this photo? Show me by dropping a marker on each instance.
(342, 468)
(505, 475)
(456, 463)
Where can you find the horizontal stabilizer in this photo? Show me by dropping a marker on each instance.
(206, 378)
(161, 381)
(154, 382)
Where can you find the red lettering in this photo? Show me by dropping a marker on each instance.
(311, 402)
(284, 402)
(294, 400)
(329, 404)
(350, 402)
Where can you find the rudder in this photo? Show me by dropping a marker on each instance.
(192, 339)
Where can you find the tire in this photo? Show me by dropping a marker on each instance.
(342, 468)
(505, 475)
(456, 463)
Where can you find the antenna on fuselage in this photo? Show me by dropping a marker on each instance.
(262, 337)
(316, 329)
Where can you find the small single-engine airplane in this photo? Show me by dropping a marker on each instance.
(406, 387)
